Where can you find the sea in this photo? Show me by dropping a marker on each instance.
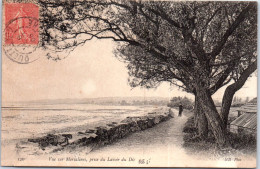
(23, 121)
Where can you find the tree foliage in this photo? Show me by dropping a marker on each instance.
(184, 101)
(163, 41)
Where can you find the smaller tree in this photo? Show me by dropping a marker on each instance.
(184, 101)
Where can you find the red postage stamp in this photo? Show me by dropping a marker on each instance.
(21, 21)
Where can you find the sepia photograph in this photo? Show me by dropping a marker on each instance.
(129, 83)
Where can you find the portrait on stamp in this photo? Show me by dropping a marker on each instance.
(129, 83)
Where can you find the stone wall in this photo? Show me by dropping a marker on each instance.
(104, 134)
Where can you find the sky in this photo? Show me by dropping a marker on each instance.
(90, 70)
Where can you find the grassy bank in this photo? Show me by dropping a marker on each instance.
(238, 143)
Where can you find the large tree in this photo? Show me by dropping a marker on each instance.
(198, 46)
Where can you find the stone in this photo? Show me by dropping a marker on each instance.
(103, 135)
(90, 131)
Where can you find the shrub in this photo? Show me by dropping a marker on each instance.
(184, 101)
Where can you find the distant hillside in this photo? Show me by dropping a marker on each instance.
(107, 101)
(254, 100)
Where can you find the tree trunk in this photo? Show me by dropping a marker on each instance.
(232, 89)
(212, 115)
(200, 120)
(226, 104)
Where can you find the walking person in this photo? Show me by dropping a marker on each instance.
(180, 110)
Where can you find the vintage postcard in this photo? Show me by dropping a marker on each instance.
(129, 83)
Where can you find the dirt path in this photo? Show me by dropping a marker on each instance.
(164, 140)
(166, 133)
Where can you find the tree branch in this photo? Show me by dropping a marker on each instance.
(223, 78)
(241, 17)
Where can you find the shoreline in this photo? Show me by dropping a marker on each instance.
(101, 135)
